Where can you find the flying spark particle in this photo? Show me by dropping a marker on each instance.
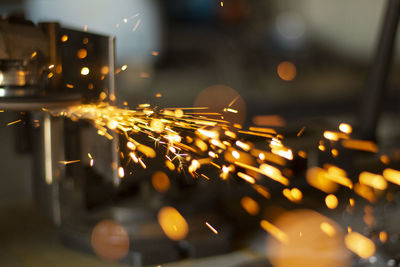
(82, 53)
(136, 25)
(345, 128)
(246, 177)
(65, 162)
(212, 228)
(121, 172)
(64, 38)
(13, 122)
(301, 131)
(85, 71)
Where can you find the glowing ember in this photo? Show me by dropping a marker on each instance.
(69, 162)
(121, 172)
(345, 128)
(85, 71)
(246, 177)
(212, 228)
(13, 122)
(64, 38)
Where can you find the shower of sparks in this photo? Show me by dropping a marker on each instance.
(193, 141)
(212, 228)
(13, 122)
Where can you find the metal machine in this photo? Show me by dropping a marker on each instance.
(47, 66)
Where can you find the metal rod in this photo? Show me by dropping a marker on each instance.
(373, 96)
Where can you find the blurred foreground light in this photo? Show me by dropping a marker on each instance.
(110, 240)
(286, 71)
(305, 238)
(360, 245)
(172, 223)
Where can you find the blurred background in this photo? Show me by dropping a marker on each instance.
(293, 63)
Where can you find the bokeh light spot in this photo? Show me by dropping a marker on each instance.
(314, 240)
(172, 223)
(286, 71)
(110, 240)
(160, 181)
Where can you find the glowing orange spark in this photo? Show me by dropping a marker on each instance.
(212, 228)
(13, 122)
(69, 161)
(136, 25)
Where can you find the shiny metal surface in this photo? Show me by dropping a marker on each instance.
(48, 153)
